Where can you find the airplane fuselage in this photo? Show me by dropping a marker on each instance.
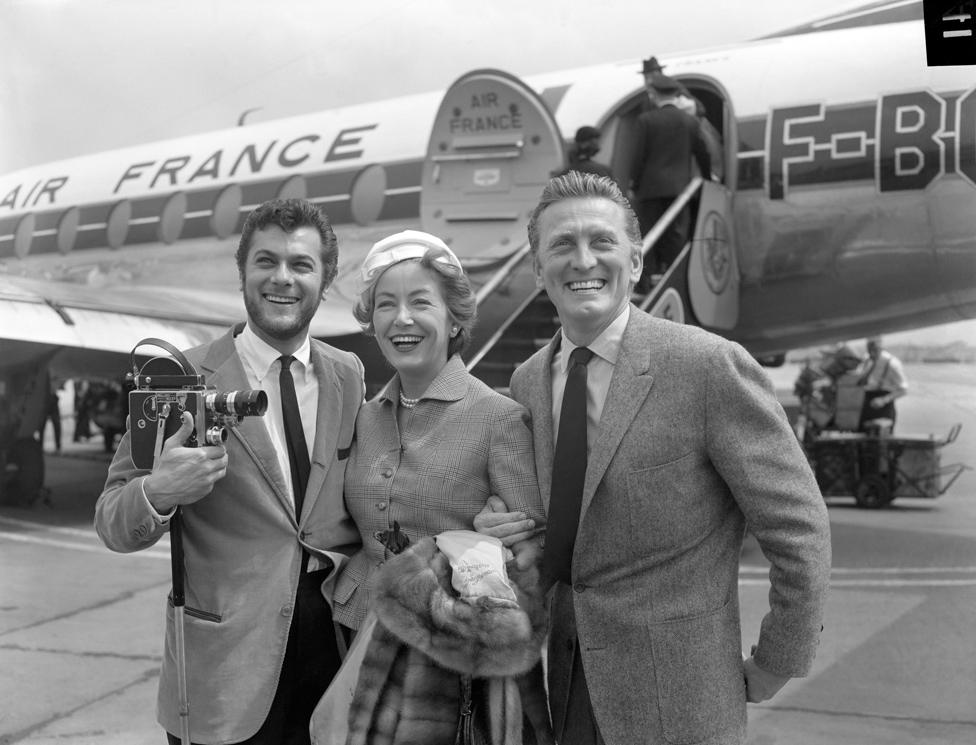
(851, 167)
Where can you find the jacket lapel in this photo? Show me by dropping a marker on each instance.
(629, 386)
(224, 370)
(326, 428)
(539, 402)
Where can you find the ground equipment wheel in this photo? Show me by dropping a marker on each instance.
(873, 492)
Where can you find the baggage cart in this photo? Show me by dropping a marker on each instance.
(876, 467)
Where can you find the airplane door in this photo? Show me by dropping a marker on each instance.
(713, 272)
(493, 147)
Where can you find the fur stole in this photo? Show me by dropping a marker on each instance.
(426, 638)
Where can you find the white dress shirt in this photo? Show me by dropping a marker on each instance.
(262, 367)
(599, 372)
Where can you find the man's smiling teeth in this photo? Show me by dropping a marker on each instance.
(587, 284)
(280, 299)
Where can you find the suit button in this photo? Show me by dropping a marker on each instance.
(387, 473)
(303, 535)
(569, 645)
(579, 587)
(381, 506)
(286, 610)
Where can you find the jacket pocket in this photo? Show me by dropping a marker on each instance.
(698, 668)
(671, 504)
(203, 615)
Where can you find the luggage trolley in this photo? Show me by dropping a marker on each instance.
(877, 467)
(865, 460)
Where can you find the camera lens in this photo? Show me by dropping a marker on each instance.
(238, 403)
(216, 436)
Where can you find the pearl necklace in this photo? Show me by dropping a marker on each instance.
(408, 403)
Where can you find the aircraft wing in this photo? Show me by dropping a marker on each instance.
(62, 314)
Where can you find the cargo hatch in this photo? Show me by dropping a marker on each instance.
(493, 147)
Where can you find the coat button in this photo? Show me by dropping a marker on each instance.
(286, 610)
(579, 587)
(381, 506)
(303, 535)
(387, 473)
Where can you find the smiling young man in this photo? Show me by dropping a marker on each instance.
(685, 443)
(264, 521)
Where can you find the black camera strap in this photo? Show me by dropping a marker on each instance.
(188, 368)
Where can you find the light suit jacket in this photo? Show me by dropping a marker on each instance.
(692, 446)
(243, 546)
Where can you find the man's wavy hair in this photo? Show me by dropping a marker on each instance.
(290, 215)
(579, 185)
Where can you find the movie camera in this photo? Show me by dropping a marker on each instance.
(164, 387)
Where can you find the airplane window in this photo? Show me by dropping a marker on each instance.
(368, 194)
(23, 236)
(172, 218)
(68, 229)
(293, 188)
(118, 223)
(227, 210)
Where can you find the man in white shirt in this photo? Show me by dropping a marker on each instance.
(884, 380)
(264, 525)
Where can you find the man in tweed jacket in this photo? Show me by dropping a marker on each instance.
(686, 446)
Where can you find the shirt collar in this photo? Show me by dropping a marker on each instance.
(261, 356)
(449, 385)
(606, 345)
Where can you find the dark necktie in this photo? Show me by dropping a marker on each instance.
(568, 471)
(294, 434)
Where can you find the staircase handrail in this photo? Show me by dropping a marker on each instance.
(488, 288)
(663, 223)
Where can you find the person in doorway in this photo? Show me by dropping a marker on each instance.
(587, 144)
(883, 378)
(667, 139)
(264, 524)
(656, 444)
(650, 69)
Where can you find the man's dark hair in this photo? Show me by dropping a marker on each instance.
(290, 215)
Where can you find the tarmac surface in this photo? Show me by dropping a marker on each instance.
(81, 628)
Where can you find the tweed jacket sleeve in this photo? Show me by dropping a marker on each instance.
(753, 448)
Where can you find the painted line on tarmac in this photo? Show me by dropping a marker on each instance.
(752, 569)
(94, 548)
(878, 576)
(161, 551)
(31, 525)
(878, 582)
